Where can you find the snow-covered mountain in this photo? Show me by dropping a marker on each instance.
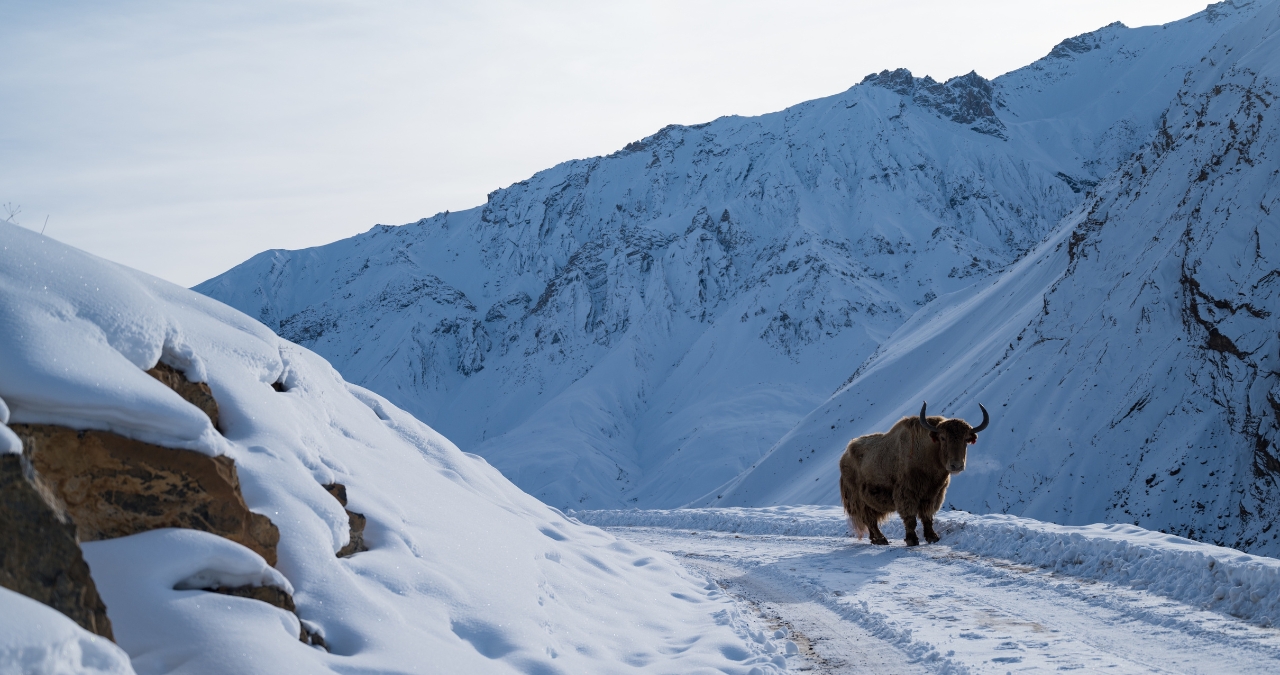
(1130, 360)
(641, 328)
(458, 571)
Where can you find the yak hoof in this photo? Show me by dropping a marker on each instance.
(880, 541)
(931, 538)
(913, 541)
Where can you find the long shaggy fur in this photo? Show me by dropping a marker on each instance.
(906, 469)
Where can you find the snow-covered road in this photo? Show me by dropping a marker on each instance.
(853, 607)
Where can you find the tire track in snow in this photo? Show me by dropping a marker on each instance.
(933, 609)
(827, 642)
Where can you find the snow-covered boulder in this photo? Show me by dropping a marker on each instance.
(462, 573)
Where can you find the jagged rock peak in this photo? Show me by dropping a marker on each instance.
(1219, 10)
(1084, 42)
(662, 134)
(964, 99)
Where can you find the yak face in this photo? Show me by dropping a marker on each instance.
(953, 437)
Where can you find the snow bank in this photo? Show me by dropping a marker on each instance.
(38, 640)
(792, 521)
(464, 573)
(1216, 578)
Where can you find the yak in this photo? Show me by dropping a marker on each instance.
(906, 469)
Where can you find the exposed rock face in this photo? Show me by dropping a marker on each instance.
(964, 99)
(195, 393)
(114, 486)
(356, 521)
(39, 554)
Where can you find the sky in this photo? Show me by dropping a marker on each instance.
(181, 138)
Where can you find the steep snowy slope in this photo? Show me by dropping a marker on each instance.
(587, 330)
(1130, 362)
(463, 573)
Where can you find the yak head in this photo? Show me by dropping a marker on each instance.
(952, 438)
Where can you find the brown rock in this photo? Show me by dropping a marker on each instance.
(114, 486)
(355, 521)
(39, 554)
(195, 393)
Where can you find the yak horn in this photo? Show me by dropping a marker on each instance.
(986, 419)
(925, 421)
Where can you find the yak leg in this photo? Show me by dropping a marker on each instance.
(929, 535)
(876, 536)
(872, 520)
(909, 526)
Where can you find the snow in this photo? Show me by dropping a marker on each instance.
(38, 640)
(1091, 256)
(75, 346)
(642, 329)
(465, 572)
(850, 606)
(1200, 575)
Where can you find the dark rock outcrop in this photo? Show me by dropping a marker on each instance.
(114, 486)
(39, 554)
(356, 522)
(964, 99)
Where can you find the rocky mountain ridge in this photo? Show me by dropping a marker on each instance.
(586, 330)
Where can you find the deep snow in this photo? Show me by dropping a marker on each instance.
(465, 573)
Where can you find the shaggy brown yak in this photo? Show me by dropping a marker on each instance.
(907, 470)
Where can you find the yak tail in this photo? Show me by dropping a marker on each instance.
(859, 528)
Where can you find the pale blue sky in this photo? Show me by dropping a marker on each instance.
(182, 137)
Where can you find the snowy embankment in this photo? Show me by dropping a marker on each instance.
(1215, 578)
(459, 572)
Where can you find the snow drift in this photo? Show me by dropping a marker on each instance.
(463, 572)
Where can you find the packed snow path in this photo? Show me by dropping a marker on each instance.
(852, 607)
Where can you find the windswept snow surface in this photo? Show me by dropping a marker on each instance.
(998, 594)
(464, 573)
(1129, 361)
(642, 328)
